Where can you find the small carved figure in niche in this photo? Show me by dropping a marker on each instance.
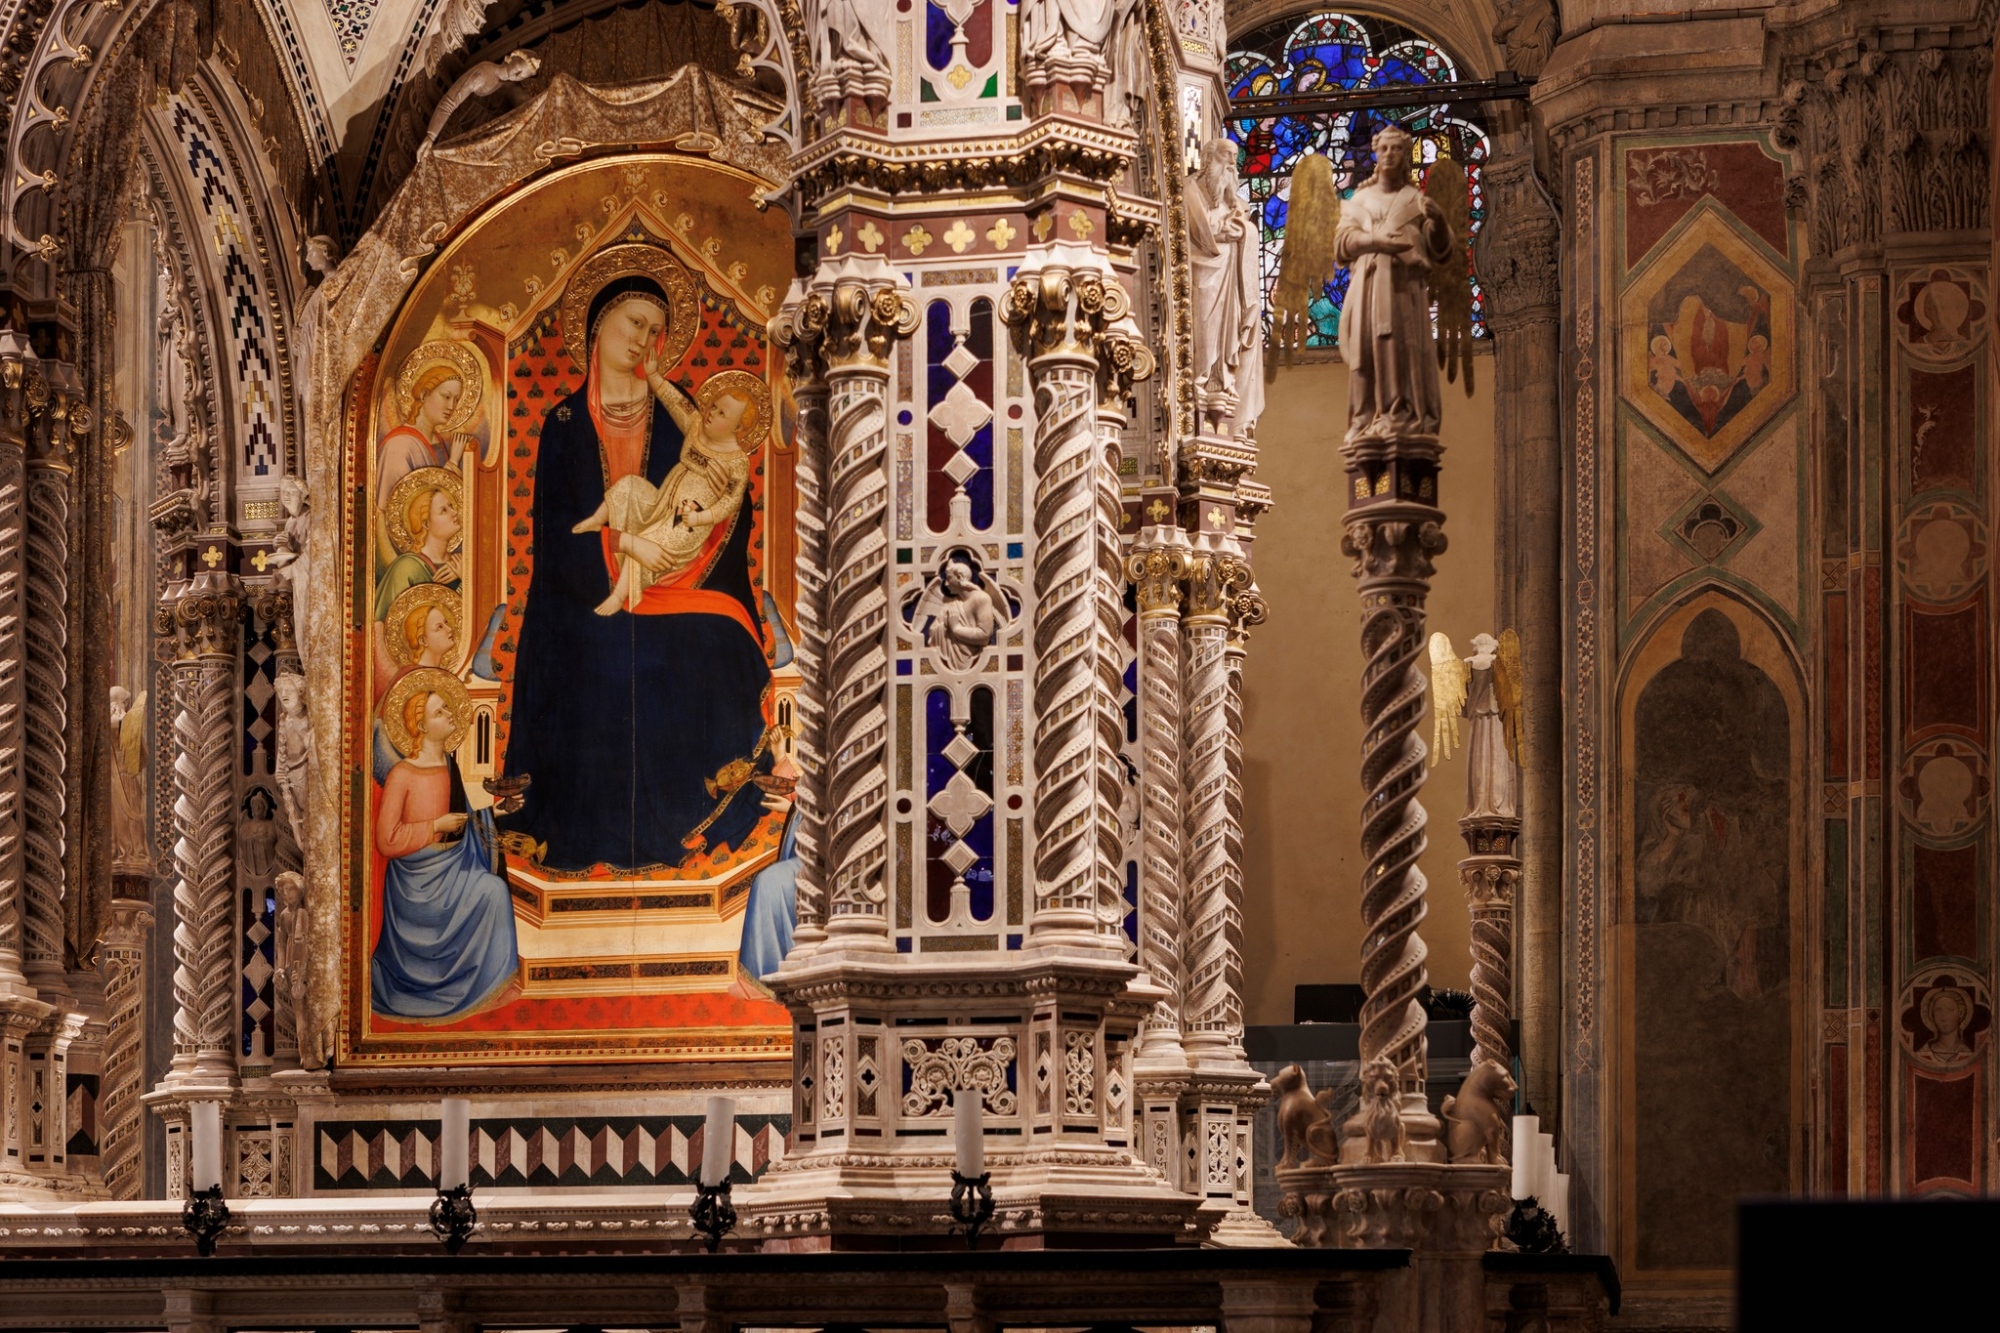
(1305, 1120)
(288, 958)
(257, 836)
(961, 613)
(1526, 35)
(1381, 1118)
(1130, 85)
(289, 548)
(1228, 293)
(851, 45)
(130, 848)
(1391, 237)
(295, 751)
(1947, 1011)
(1479, 1119)
(482, 80)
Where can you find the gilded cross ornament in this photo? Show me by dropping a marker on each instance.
(1001, 233)
(916, 240)
(833, 239)
(869, 236)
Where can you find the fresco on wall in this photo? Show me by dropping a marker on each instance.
(1712, 858)
(569, 658)
(1709, 341)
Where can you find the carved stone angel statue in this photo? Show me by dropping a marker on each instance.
(1064, 41)
(295, 751)
(852, 41)
(289, 547)
(1485, 690)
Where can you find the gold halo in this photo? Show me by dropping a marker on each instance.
(407, 601)
(426, 680)
(471, 378)
(749, 386)
(624, 261)
(396, 510)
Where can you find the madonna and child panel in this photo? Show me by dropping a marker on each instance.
(569, 654)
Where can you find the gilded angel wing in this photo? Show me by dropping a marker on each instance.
(1451, 283)
(132, 736)
(1448, 680)
(1507, 685)
(1307, 263)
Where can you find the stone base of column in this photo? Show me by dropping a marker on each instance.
(880, 1049)
(1447, 1215)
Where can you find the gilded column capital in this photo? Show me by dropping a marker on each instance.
(854, 310)
(1062, 302)
(1217, 580)
(204, 620)
(799, 329)
(273, 606)
(1159, 565)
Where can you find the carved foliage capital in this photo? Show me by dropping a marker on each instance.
(1157, 566)
(273, 606)
(1396, 548)
(849, 317)
(1219, 585)
(205, 620)
(1519, 250)
(1062, 302)
(1490, 886)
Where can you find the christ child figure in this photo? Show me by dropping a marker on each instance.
(667, 527)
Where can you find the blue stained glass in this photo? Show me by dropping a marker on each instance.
(1324, 52)
(938, 29)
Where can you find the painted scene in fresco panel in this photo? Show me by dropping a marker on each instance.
(570, 670)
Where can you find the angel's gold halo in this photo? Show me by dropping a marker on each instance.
(422, 595)
(396, 511)
(740, 384)
(466, 368)
(426, 681)
(625, 261)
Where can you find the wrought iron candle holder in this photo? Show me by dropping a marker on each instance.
(453, 1218)
(971, 1205)
(1533, 1230)
(713, 1215)
(205, 1216)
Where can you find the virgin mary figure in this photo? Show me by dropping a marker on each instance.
(639, 729)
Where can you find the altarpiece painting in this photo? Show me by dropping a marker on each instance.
(567, 667)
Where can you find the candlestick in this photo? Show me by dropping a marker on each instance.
(455, 1144)
(718, 1148)
(1524, 1155)
(205, 1121)
(968, 1132)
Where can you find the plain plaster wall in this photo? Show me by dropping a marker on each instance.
(1302, 687)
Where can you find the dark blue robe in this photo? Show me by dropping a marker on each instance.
(618, 719)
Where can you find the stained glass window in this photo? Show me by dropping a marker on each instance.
(1331, 51)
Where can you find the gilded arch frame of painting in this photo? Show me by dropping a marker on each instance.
(689, 111)
(1764, 645)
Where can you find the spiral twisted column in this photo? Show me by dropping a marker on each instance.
(1491, 883)
(46, 639)
(1393, 541)
(864, 306)
(1065, 313)
(119, 1112)
(1158, 565)
(13, 531)
(204, 622)
(798, 331)
(1212, 1021)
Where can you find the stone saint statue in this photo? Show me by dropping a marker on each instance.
(289, 546)
(1063, 41)
(1391, 236)
(295, 751)
(130, 849)
(1228, 293)
(289, 962)
(852, 40)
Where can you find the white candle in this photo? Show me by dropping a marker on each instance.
(968, 1132)
(1559, 1204)
(718, 1144)
(1524, 1154)
(205, 1120)
(455, 1144)
(1545, 1167)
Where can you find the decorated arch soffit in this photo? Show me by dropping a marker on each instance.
(470, 270)
(1710, 475)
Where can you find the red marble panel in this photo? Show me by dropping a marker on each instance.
(1664, 182)
(1944, 1115)
(1944, 901)
(1836, 1119)
(1835, 704)
(1943, 421)
(1944, 652)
